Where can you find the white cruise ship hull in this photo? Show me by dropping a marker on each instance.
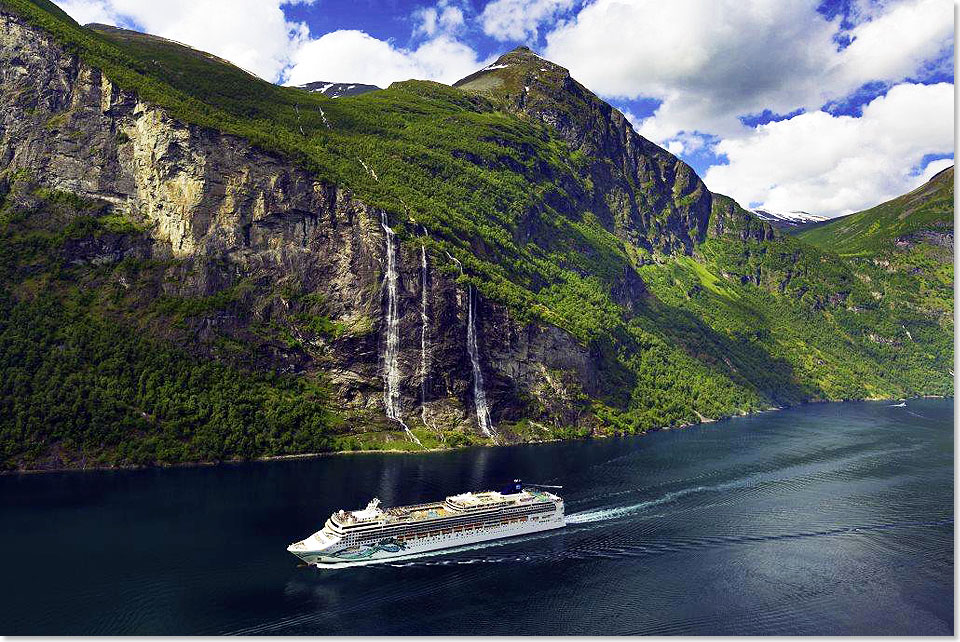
(375, 534)
(337, 557)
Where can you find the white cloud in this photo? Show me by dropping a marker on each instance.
(519, 19)
(834, 165)
(354, 56)
(934, 167)
(895, 44)
(675, 147)
(444, 18)
(253, 34)
(712, 62)
(87, 11)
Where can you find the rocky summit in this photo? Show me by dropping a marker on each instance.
(199, 265)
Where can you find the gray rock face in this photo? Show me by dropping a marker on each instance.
(671, 209)
(640, 192)
(222, 212)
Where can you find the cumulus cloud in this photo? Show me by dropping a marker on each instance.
(712, 62)
(520, 19)
(354, 56)
(87, 11)
(444, 18)
(832, 165)
(894, 44)
(253, 34)
(350, 55)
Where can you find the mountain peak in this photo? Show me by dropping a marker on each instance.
(536, 90)
(524, 54)
(511, 72)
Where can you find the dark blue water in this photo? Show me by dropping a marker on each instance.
(826, 519)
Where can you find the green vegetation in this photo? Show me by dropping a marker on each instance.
(102, 363)
(81, 385)
(78, 389)
(872, 231)
(903, 247)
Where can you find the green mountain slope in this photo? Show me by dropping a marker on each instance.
(929, 208)
(906, 244)
(678, 304)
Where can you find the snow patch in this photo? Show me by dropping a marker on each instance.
(791, 218)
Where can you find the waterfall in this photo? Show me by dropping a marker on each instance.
(455, 260)
(391, 368)
(479, 395)
(424, 328)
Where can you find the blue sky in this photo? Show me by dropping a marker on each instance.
(825, 107)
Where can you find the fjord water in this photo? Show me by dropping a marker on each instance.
(824, 519)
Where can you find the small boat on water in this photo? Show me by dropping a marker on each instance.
(377, 534)
(902, 404)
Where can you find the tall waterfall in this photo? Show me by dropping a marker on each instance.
(479, 395)
(391, 368)
(424, 329)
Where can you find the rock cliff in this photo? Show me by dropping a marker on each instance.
(224, 212)
(199, 265)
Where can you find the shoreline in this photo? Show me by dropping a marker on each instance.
(400, 451)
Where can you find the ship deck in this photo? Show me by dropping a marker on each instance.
(462, 503)
(419, 511)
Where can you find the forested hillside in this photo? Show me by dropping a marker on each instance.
(199, 265)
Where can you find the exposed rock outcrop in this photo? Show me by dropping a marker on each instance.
(223, 212)
(644, 194)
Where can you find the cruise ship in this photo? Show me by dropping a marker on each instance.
(376, 534)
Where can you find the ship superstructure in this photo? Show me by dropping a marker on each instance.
(377, 534)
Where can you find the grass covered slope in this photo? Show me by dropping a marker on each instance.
(904, 246)
(929, 208)
(692, 307)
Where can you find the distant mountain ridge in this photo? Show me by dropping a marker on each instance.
(338, 89)
(785, 220)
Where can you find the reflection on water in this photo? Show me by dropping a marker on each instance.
(826, 519)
